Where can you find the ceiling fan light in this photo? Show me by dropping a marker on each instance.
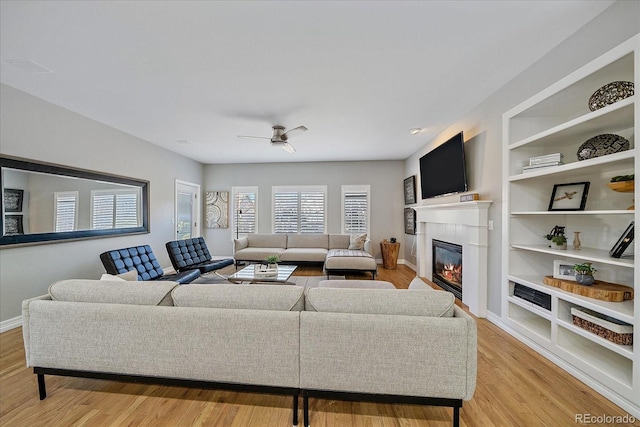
(415, 131)
(288, 148)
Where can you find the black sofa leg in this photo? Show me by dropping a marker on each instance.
(456, 416)
(295, 410)
(305, 408)
(41, 387)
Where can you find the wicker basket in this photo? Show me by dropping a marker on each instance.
(618, 333)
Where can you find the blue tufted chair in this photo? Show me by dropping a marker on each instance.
(144, 261)
(190, 254)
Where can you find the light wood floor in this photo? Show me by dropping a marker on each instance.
(515, 387)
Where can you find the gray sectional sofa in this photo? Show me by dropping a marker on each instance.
(335, 251)
(411, 346)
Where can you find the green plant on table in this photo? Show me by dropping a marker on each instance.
(273, 259)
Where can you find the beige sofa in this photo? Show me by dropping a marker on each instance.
(366, 344)
(332, 250)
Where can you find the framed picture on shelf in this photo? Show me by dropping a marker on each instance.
(623, 242)
(563, 270)
(13, 200)
(410, 190)
(569, 197)
(409, 221)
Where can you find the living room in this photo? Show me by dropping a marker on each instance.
(32, 128)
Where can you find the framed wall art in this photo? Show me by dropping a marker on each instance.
(13, 224)
(409, 221)
(13, 200)
(569, 197)
(410, 190)
(217, 209)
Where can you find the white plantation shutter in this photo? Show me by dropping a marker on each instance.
(245, 206)
(114, 209)
(299, 209)
(66, 211)
(355, 209)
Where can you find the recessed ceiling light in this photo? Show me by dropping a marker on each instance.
(28, 66)
(415, 131)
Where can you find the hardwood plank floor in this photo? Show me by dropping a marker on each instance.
(515, 387)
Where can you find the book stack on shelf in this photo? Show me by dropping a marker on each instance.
(546, 161)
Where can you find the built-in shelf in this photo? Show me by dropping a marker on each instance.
(558, 120)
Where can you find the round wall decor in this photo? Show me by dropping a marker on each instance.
(601, 145)
(610, 93)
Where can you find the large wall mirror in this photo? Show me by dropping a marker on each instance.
(45, 203)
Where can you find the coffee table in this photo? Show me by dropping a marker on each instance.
(247, 275)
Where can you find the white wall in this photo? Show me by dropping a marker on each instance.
(34, 129)
(483, 125)
(385, 178)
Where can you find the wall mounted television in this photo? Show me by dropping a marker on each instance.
(442, 170)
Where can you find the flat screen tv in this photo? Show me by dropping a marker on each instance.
(442, 170)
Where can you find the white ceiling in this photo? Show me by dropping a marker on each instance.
(358, 74)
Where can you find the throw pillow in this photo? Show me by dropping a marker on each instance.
(356, 241)
(111, 278)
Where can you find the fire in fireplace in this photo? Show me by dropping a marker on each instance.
(447, 266)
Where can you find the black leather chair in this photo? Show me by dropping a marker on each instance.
(190, 254)
(141, 258)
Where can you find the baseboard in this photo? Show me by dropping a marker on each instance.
(7, 325)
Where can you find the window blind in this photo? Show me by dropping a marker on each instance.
(66, 211)
(355, 209)
(299, 209)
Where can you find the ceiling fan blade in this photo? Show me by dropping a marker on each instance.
(288, 148)
(253, 137)
(293, 132)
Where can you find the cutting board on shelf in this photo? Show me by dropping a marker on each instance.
(600, 290)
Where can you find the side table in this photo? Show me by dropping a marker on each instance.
(389, 254)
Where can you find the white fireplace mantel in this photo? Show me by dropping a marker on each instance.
(465, 224)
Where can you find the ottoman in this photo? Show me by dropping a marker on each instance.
(358, 284)
(342, 261)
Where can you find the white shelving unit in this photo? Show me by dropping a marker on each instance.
(555, 120)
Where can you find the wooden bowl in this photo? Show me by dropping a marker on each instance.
(622, 186)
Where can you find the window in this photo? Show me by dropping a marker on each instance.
(355, 208)
(299, 209)
(65, 211)
(114, 209)
(244, 208)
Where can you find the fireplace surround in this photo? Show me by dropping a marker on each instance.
(446, 268)
(465, 224)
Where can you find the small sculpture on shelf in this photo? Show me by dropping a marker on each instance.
(584, 273)
(576, 241)
(556, 235)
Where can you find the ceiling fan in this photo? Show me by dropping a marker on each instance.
(281, 138)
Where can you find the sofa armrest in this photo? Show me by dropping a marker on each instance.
(360, 353)
(25, 322)
(240, 243)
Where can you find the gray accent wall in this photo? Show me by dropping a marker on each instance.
(35, 129)
(482, 126)
(384, 177)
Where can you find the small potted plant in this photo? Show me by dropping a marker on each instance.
(556, 235)
(272, 261)
(584, 273)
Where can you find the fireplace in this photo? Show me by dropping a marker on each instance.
(447, 266)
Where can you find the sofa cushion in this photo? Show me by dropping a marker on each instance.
(303, 255)
(308, 241)
(274, 240)
(113, 292)
(256, 254)
(356, 241)
(339, 241)
(251, 297)
(380, 301)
